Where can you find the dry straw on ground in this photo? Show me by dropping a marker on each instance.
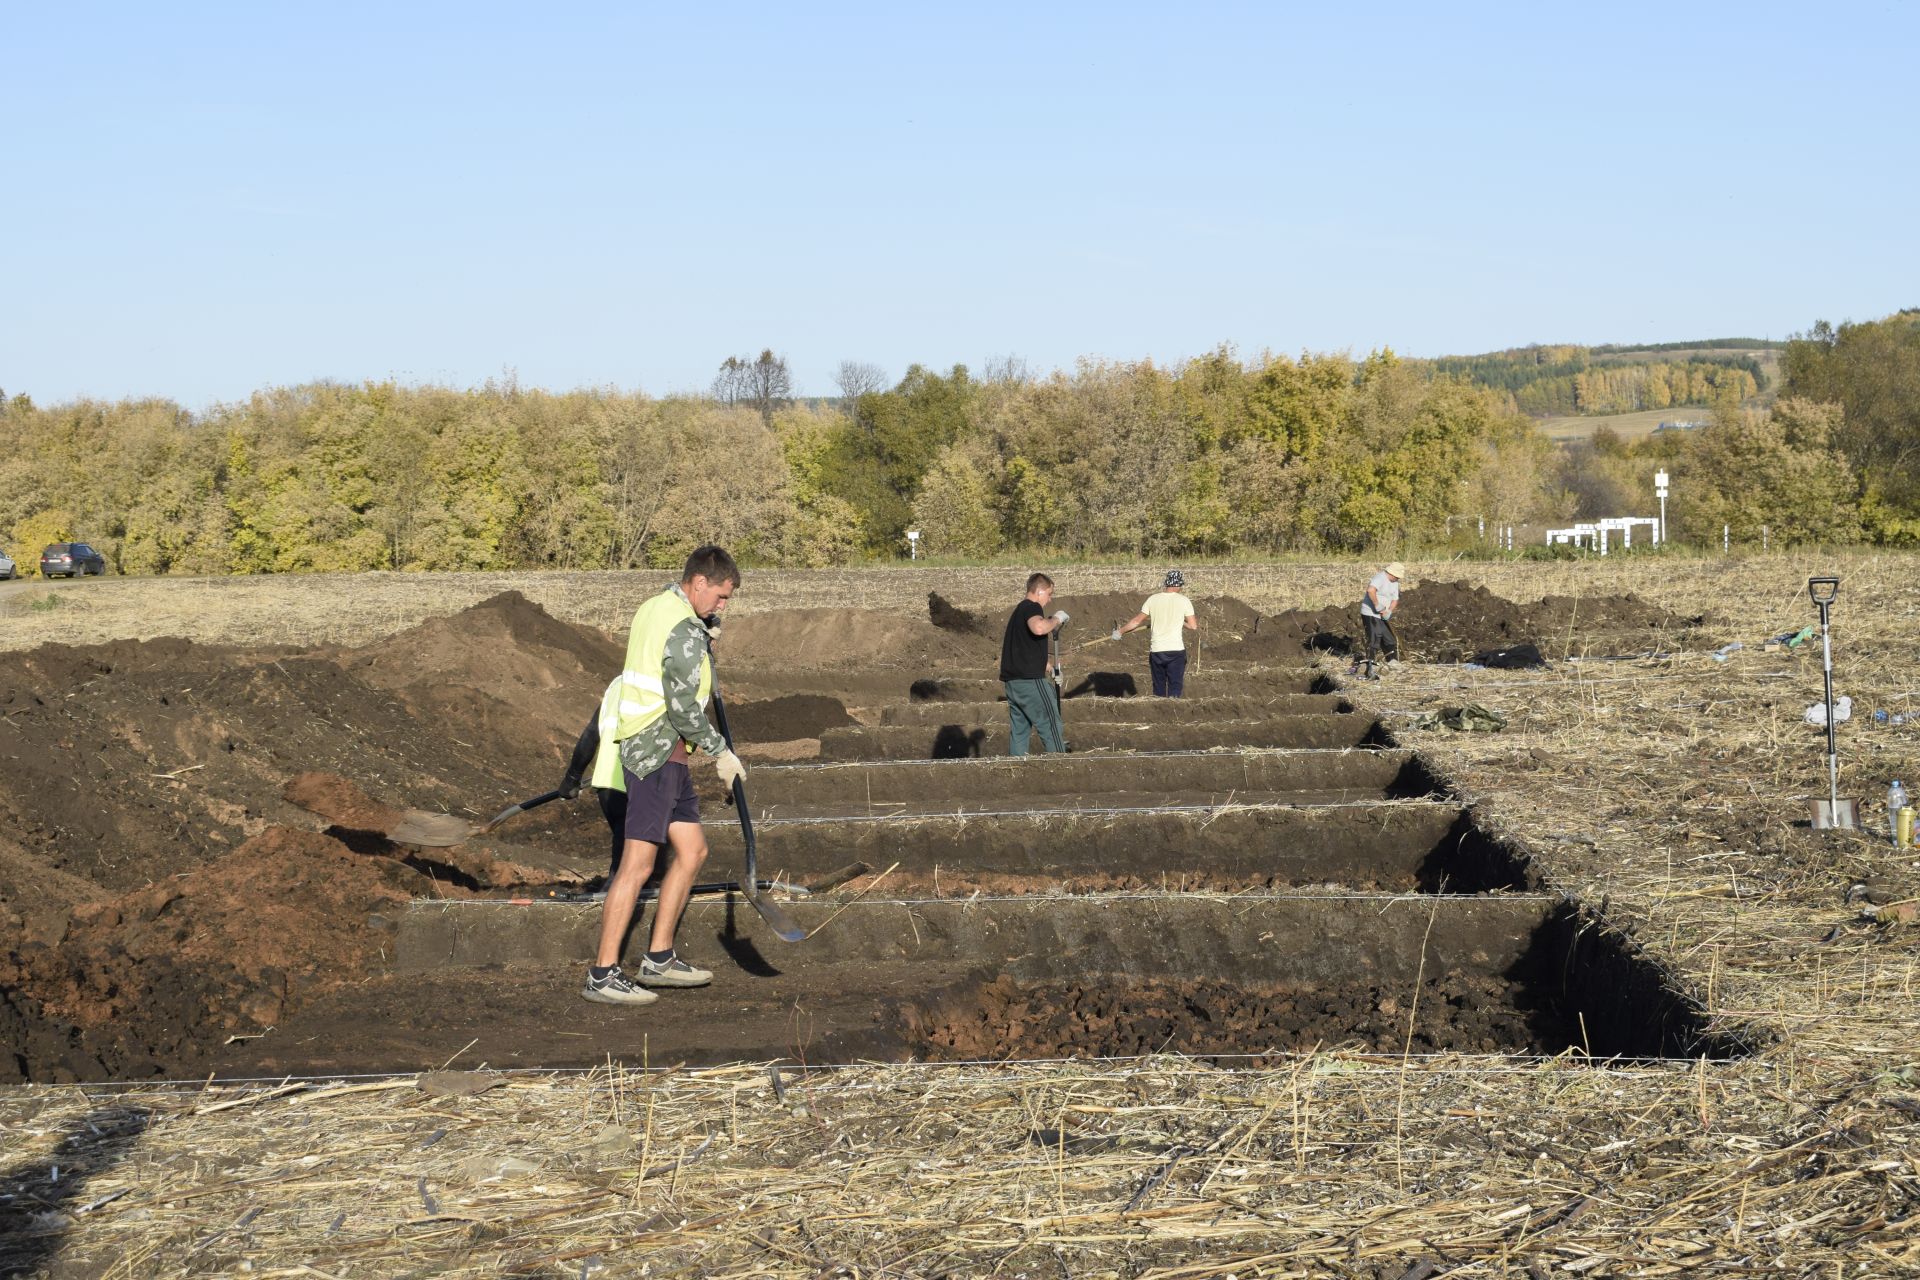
(1663, 792)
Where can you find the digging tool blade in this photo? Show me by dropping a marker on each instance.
(770, 911)
(430, 830)
(522, 807)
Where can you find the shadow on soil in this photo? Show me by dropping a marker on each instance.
(38, 1199)
(1575, 987)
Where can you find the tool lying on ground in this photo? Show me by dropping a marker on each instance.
(751, 886)
(1833, 813)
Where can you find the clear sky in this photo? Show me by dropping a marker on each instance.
(207, 199)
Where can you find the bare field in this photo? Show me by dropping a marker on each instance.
(354, 609)
(1629, 426)
(1665, 796)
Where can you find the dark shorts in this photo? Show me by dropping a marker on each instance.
(658, 800)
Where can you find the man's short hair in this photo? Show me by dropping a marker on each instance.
(1037, 581)
(713, 564)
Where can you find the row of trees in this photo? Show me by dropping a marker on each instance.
(1214, 456)
(1567, 380)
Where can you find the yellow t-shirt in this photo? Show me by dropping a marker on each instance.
(1168, 611)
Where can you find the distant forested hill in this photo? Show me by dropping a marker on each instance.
(1560, 380)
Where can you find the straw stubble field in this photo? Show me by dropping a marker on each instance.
(1668, 794)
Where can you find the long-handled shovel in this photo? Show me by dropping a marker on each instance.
(751, 885)
(1833, 813)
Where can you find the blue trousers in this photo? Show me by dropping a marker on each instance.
(1169, 673)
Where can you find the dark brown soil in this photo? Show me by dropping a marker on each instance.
(1116, 1017)
(152, 982)
(799, 715)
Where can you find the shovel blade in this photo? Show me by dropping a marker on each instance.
(1836, 815)
(777, 919)
(430, 830)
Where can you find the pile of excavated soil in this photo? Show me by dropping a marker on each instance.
(950, 617)
(128, 762)
(151, 889)
(154, 981)
(1457, 622)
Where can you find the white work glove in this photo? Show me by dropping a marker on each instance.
(1061, 618)
(1115, 635)
(730, 768)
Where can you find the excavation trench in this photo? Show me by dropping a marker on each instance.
(969, 738)
(996, 978)
(1140, 780)
(1390, 846)
(1249, 871)
(1091, 710)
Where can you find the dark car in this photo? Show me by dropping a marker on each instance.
(70, 560)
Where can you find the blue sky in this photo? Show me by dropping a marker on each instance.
(208, 199)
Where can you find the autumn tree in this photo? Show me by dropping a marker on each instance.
(762, 385)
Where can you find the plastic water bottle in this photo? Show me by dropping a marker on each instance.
(1896, 801)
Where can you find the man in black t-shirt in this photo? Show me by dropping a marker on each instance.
(1023, 667)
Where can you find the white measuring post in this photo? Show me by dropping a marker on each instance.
(913, 544)
(1726, 539)
(1660, 487)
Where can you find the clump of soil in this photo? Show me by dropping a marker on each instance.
(151, 982)
(1115, 1016)
(800, 715)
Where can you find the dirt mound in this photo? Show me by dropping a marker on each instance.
(1286, 638)
(1456, 621)
(504, 672)
(152, 981)
(950, 617)
(800, 715)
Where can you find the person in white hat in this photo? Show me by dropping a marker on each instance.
(1170, 611)
(1377, 608)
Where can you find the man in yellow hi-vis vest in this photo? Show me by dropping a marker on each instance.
(660, 720)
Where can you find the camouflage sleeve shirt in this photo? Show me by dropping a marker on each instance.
(686, 717)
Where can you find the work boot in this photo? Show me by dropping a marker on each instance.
(615, 988)
(672, 972)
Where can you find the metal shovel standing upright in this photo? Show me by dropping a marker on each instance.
(1833, 813)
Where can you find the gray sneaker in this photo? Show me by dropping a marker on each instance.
(674, 973)
(615, 988)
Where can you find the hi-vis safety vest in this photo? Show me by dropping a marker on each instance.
(608, 775)
(643, 695)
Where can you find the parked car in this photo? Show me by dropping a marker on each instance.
(70, 560)
(7, 567)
